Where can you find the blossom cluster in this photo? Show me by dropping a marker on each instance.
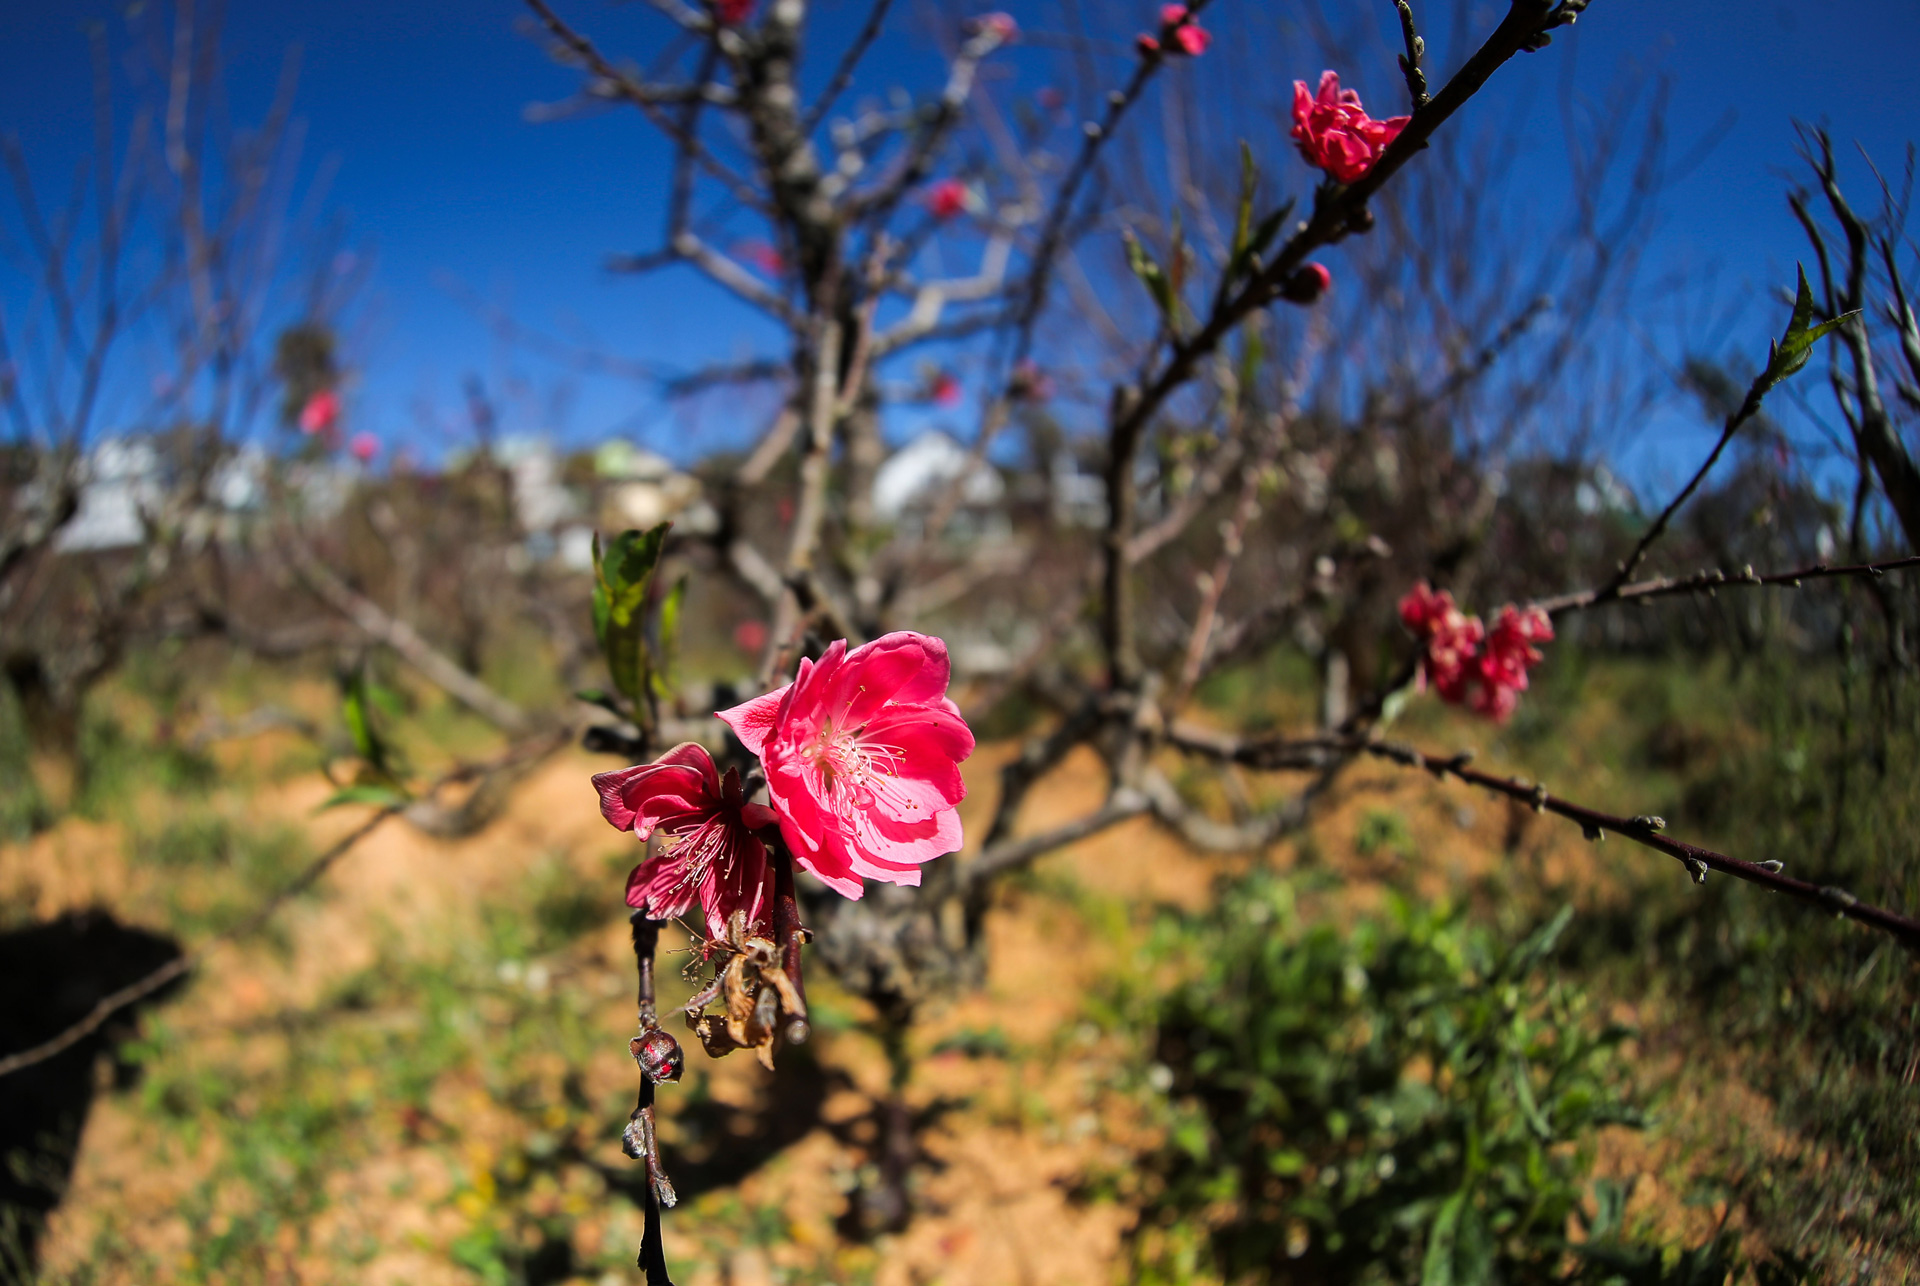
(320, 418)
(1184, 33)
(1467, 663)
(862, 755)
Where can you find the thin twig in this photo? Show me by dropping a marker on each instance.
(1410, 62)
(1709, 581)
(1648, 831)
(843, 74)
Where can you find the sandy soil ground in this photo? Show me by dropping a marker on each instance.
(998, 1200)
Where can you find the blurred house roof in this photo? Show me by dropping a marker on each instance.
(920, 470)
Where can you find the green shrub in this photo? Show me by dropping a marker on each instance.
(1410, 1100)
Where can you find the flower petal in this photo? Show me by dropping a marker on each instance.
(753, 721)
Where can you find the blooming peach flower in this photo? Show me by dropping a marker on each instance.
(1454, 660)
(1502, 667)
(944, 390)
(947, 198)
(711, 854)
(1452, 639)
(733, 12)
(321, 412)
(364, 447)
(862, 753)
(1335, 133)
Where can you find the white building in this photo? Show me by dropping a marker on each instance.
(120, 486)
(919, 473)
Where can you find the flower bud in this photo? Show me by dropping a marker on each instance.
(1307, 285)
(658, 1054)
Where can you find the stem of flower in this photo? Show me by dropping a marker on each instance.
(653, 1256)
(789, 934)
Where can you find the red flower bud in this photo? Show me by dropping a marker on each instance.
(1307, 285)
(658, 1054)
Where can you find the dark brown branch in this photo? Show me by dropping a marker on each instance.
(1875, 431)
(843, 74)
(1204, 833)
(1748, 408)
(1709, 581)
(1338, 212)
(1004, 857)
(1410, 62)
(789, 935)
(1648, 831)
(626, 87)
(378, 625)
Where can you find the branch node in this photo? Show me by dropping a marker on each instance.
(1648, 821)
(1696, 868)
(1773, 866)
(1539, 797)
(1593, 834)
(1837, 898)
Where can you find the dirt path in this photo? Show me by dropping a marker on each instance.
(1023, 1120)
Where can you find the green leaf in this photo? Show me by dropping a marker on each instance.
(1249, 256)
(622, 574)
(1472, 1249)
(601, 698)
(1538, 946)
(667, 635)
(1243, 219)
(359, 700)
(1529, 1107)
(353, 708)
(1437, 1268)
(1152, 278)
(1395, 705)
(1252, 351)
(376, 796)
(1794, 349)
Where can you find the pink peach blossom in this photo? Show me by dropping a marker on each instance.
(1460, 669)
(1335, 133)
(1451, 637)
(711, 854)
(1502, 666)
(946, 199)
(364, 447)
(944, 390)
(733, 12)
(862, 753)
(321, 412)
(1188, 34)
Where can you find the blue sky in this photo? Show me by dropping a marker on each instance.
(441, 174)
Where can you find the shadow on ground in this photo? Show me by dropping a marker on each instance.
(51, 975)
